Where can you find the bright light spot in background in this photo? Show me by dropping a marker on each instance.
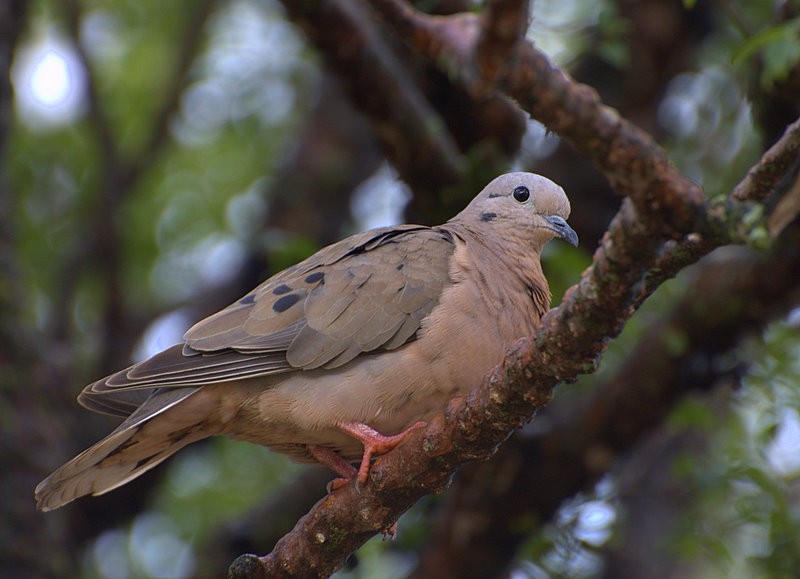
(164, 332)
(782, 452)
(594, 522)
(49, 83)
(380, 200)
(152, 548)
(529, 570)
(537, 144)
(109, 555)
(559, 28)
(156, 546)
(49, 80)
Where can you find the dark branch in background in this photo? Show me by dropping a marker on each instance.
(117, 178)
(383, 87)
(504, 25)
(776, 103)
(337, 150)
(189, 48)
(21, 349)
(12, 22)
(98, 118)
(656, 499)
(416, 111)
(570, 339)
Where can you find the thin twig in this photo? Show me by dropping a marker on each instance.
(188, 50)
(762, 177)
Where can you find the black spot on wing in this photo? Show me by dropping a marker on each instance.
(487, 216)
(284, 303)
(314, 277)
(248, 299)
(281, 289)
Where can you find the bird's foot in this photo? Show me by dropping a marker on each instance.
(336, 463)
(374, 443)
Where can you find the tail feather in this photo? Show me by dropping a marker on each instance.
(136, 446)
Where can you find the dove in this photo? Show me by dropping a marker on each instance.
(340, 357)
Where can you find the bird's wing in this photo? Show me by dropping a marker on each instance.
(365, 293)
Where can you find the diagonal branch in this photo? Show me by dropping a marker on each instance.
(582, 439)
(762, 178)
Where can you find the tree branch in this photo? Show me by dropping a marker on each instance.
(773, 166)
(634, 164)
(504, 25)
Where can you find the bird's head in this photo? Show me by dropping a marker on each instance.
(521, 205)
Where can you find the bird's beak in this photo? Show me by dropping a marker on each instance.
(562, 229)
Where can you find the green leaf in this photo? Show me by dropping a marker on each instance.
(779, 48)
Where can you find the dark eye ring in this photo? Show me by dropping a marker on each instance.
(521, 194)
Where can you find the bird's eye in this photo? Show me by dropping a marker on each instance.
(521, 194)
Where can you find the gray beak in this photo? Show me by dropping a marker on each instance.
(563, 230)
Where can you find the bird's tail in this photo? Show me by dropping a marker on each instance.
(143, 440)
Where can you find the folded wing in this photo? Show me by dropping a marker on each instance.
(368, 292)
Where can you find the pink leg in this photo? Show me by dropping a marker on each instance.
(334, 462)
(374, 443)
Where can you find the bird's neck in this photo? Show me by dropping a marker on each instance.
(510, 276)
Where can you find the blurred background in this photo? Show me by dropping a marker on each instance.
(160, 159)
